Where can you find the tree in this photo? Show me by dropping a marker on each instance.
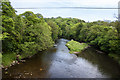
(54, 29)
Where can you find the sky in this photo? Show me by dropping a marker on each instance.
(84, 14)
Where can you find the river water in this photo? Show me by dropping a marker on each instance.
(57, 62)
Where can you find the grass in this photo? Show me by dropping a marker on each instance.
(8, 58)
(75, 46)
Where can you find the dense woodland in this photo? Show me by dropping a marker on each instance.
(28, 33)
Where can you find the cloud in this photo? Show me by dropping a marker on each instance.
(75, 3)
(94, 3)
(87, 15)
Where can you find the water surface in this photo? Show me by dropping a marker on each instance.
(57, 62)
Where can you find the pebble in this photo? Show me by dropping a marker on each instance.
(6, 68)
(13, 62)
(41, 69)
(20, 75)
(2, 66)
(22, 60)
(26, 73)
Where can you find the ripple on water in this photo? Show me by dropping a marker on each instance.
(57, 62)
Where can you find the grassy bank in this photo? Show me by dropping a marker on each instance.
(76, 47)
(12, 58)
(8, 58)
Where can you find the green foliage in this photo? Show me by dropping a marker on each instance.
(8, 27)
(8, 10)
(66, 25)
(28, 33)
(83, 33)
(75, 46)
(55, 29)
(78, 28)
(100, 34)
(24, 34)
(35, 35)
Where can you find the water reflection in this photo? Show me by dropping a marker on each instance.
(105, 64)
(57, 62)
(35, 67)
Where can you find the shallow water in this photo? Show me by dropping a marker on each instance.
(57, 62)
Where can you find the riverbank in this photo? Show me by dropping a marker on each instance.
(10, 59)
(57, 62)
(115, 57)
(76, 47)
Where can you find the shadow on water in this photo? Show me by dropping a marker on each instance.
(57, 62)
(105, 64)
(35, 67)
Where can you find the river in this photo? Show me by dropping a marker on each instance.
(57, 62)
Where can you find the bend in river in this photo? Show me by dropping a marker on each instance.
(57, 62)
